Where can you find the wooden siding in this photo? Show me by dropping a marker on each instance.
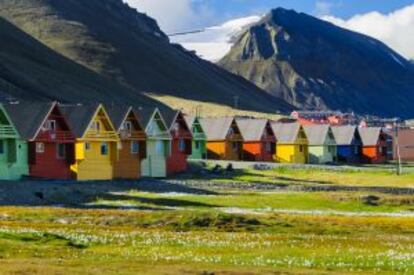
(128, 165)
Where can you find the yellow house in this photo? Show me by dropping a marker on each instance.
(292, 143)
(96, 141)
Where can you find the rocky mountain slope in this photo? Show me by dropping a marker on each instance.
(29, 70)
(314, 64)
(127, 47)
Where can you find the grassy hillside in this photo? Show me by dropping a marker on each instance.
(117, 42)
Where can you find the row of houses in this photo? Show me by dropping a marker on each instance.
(94, 142)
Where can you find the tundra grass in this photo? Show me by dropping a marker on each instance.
(170, 242)
(353, 202)
(314, 176)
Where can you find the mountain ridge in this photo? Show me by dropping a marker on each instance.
(314, 64)
(118, 43)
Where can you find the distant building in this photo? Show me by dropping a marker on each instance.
(324, 117)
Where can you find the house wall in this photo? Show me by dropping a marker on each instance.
(406, 144)
(14, 161)
(47, 164)
(372, 154)
(200, 152)
(322, 154)
(155, 165)
(128, 164)
(177, 161)
(291, 153)
(346, 154)
(216, 150)
(256, 151)
(91, 164)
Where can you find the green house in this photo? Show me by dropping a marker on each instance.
(158, 143)
(199, 143)
(13, 150)
(322, 144)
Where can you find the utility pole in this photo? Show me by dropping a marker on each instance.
(397, 145)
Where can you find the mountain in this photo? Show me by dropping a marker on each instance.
(214, 42)
(314, 64)
(31, 71)
(119, 43)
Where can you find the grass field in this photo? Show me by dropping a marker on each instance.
(219, 230)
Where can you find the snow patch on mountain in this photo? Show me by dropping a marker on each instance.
(213, 43)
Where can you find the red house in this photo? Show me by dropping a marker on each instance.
(259, 139)
(50, 140)
(181, 143)
(374, 145)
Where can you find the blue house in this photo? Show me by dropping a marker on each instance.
(349, 144)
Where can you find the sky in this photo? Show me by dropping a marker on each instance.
(391, 21)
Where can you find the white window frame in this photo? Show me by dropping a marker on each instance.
(40, 147)
(48, 125)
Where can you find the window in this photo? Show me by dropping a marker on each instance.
(134, 147)
(235, 146)
(197, 145)
(1, 147)
(231, 132)
(87, 146)
(40, 147)
(104, 149)
(159, 148)
(96, 125)
(127, 126)
(356, 150)
(268, 147)
(61, 151)
(50, 125)
(301, 148)
(181, 145)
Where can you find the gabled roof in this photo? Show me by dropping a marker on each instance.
(80, 116)
(369, 135)
(286, 132)
(118, 115)
(170, 116)
(216, 128)
(10, 122)
(317, 134)
(145, 115)
(191, 120)
(252, 129)
(29, 117)
(344, 135)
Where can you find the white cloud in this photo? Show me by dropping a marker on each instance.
(174, 15)
(395, 29)
(323, 8)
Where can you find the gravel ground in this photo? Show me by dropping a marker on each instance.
(78, 194)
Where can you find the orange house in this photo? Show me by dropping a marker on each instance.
(259, 139)
(374, 145)
(132, 145)
(224, 139)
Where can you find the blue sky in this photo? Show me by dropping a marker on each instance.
(227, 9)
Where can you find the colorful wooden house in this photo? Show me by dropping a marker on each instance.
(96, 141)
(181, 142)
(259, 140)
(322, 144)
(348, 143)
(199, 143)
(374, 144)
(158, 143)
(224, 139)
(132, 146)
(51, 142)
(292, 143)
(13, 149)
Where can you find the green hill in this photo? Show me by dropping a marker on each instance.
(116, 42)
